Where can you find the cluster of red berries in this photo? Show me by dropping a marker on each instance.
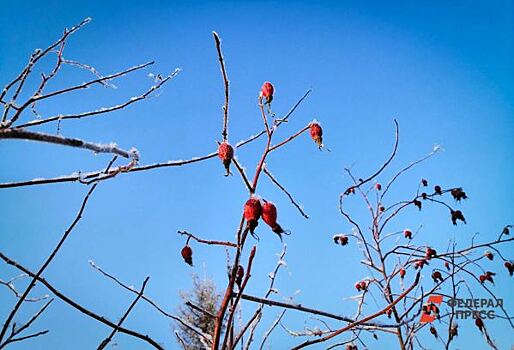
(340, 239)
(253, 210)
(361, 286)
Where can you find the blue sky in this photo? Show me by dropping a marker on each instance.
(444, 70)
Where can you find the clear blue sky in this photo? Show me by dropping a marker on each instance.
(444, 69)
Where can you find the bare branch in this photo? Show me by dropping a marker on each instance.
(107, 340)
(79, 307)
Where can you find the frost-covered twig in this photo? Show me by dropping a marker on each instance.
(22, 134)
(103, 110)
(217, 41)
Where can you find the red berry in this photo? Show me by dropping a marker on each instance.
(489, 255)
(447, 265)
(402, 273)
(252, 213)
(267, 91)
(389, 312)
(378, 186)
(316, 133)
(269, 215)
(358, 286)
(482, 278)
(407, 233)
(364, 285)
(226, 153)
(187, 254)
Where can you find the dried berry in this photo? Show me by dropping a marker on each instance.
(239, 275)
(433, 331)
(430, 253)
(417, 204)
(437, 277)
(479, 323)
(407, 233)
(437, 189)
(458, 194)
(389, 312)
(457, 215)
(226, 153)
(454, 331)
(424, 196)
(340, 239)
(424, 182)
(317, 133)
(269, 215)
(447, 265)
(267, 91)
(378, 186)
(252, 213)
(510, 267)
(187, 254)
(489, 255)
(420, 263)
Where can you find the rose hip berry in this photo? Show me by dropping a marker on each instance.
(226, 154)
(269, 215)
(267, 91)
(317, 133)
(187, 254)
(252, 213)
